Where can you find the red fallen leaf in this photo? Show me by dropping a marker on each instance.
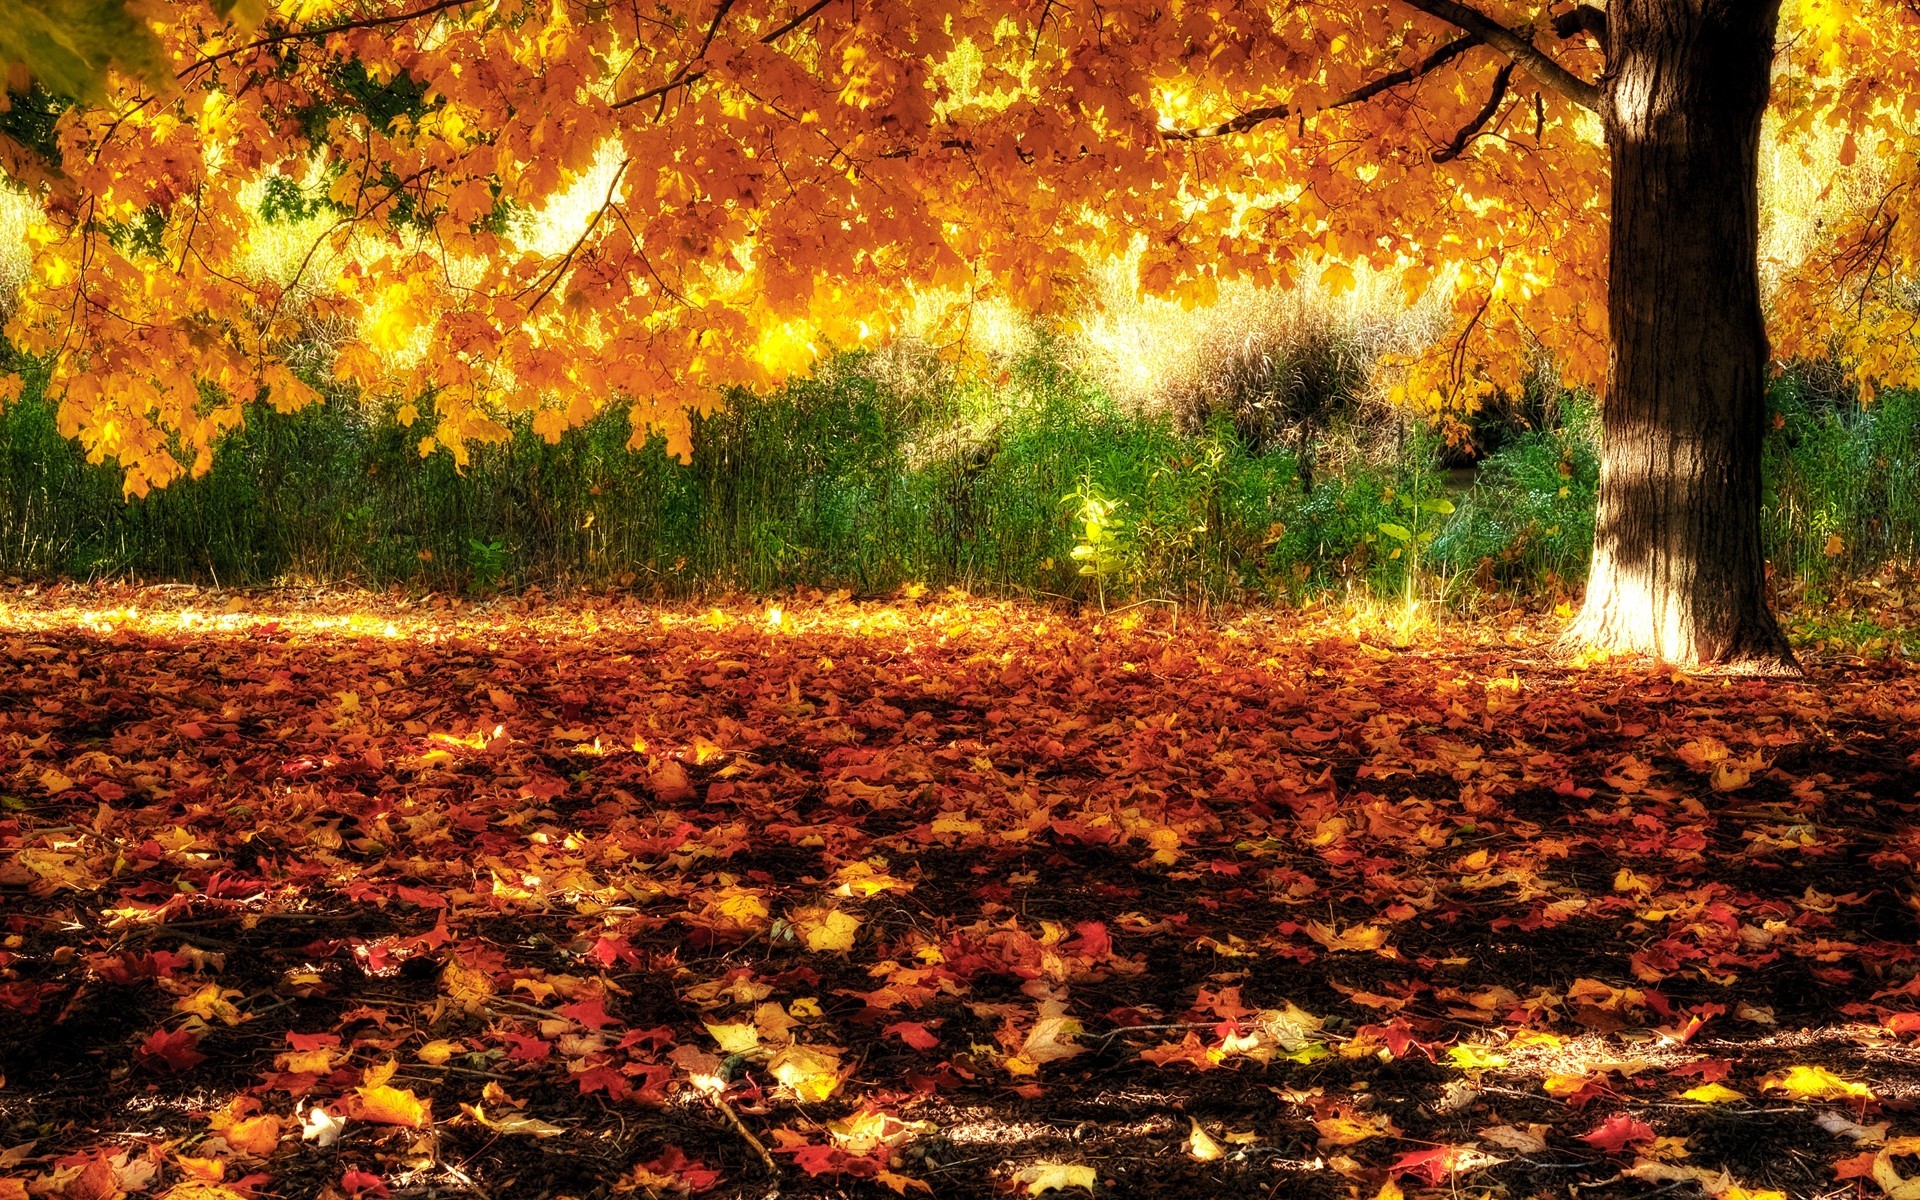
(1707, 1070)
(669, 783)
(1431, 1165)
(602, 1079)
(591, 1013)
(96, 1178)
(657, 1038)
(355, 1182)
(1190, 1050)
(26, 998)
(1398, 1036)
(127, 969)
(1905, 1022)
(610, 950)
(913, 1033)
(170, 1051)
(1860, 1166)
(831, 1160)
(1093, 940)
(1618, 1132)
(690, 1173)
(527, 1049)
(420, 897)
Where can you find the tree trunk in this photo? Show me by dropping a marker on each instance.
(1677, 565)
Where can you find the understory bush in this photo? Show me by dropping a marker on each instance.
(856, 480)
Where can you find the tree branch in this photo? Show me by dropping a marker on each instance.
(295, 35)
(1582, 18)
(1366, 91)
(1471, 129)
(1514, 46)
(692, 77)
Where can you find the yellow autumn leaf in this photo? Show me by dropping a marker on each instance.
(1354, 937)
(203, 1170)
(1046, 1042)
(1200, 1146)
(437, 1052)
(826, 930)
(1712, 1093)
(464, 984)
(869, 1130)
(305, 1062)
(1056, 1177)
(512, 1122)
(740, 906)
(738, 1037)
(1475, 1058)
(386, 1105)
(813, 1072)
(257, 1136)
(382, 1104)
(1815, 1083)
(1347, 1129)
(198, 1190)
(212, 1003)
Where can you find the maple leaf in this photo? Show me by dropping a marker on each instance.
(813, 1072)
(826, 930)
(1814, 1083)
(1432, 1165)
(511, 1122)
(1348, 1128)
(1200, 1144)
(1712, 1093)
(673, 1171)
(1048, 1041)
(254, 1135)
(1618, 1132)
(355, 1182)
(1352, 938)
(1039, 1177)
(868, 1130)
(913, 1033)
(212, 1003)
(380, 1103)
(591, 1012)
(170, 1050)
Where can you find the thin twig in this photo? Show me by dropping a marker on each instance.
(766, 1157)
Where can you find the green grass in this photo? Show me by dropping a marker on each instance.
(846, 482)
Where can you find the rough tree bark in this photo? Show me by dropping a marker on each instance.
(1677, 566)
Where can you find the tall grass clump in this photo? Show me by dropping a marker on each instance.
(1843, 478)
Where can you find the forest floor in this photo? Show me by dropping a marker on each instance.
(348, 895)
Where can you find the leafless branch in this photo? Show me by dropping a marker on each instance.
(688, 78)
(1471, 129)
(1514, 46)
(1366, 91)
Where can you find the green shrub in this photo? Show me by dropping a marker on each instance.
(853, 480)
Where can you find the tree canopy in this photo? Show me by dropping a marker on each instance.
(572, 206)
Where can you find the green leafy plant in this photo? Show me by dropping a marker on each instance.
(1099, 547)
(1415, 537)
(488, 561)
